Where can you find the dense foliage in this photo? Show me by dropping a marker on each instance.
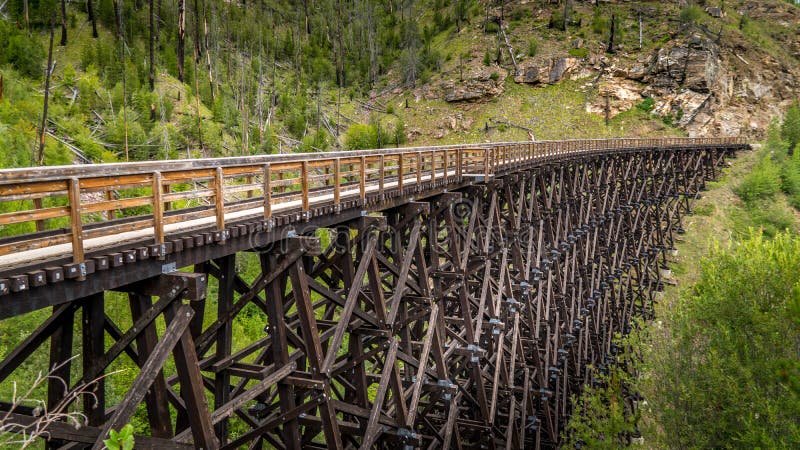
(721, 368)
(730, 377)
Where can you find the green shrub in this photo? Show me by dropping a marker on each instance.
(600, 23)
(763, 182)
(647, 105)
(533, 47)
(361, 136)
(556, 20)
(691, 14)
(26, 55)
(579, 52)
(601, 419)
(790, 129)
(730, 375)
(487, 58)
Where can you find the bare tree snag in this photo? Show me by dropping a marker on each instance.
(208, 53)
(121, 37)
(90, 10)
(181, 36)
(611, 34)
(152, 76)
(63, 23)
(640, 31)
(26, 12)
(48, 72)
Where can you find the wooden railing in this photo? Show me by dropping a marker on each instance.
(49, 206)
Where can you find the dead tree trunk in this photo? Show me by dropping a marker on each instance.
(48, 72)
(63, 23)
(26, 12)
(152, 78)
(208, 53)
(611, 36)
(90, 10)
(640, 31)
(121, 37)
(181, 36)
(197, 49)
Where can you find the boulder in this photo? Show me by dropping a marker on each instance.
(546, 70)
(479, 84)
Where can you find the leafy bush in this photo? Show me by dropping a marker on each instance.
(790, 129)
(26, 55)
(691, 14)
(647, 105)
(122, 440)
(763, 182)
(602, 418)
(731, 375)
(579, 52)
(556, 20)
(533, 47)
(600, 23)
(361, 136)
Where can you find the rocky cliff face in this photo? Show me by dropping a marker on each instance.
(726, 73)
(717, 84)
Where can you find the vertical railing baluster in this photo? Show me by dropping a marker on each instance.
(381, 173)
(304, 184)
(400, 174)
(418, 168)
(267, 192)
(76, 225)
(158, 208)
(337, 185)
(219, 200)
(362, 188)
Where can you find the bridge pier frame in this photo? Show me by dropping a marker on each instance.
(461, 319)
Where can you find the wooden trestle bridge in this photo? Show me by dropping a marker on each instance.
(438, 297)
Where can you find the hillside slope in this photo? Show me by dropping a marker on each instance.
(276, 76)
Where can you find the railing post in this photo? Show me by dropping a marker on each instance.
(400, 174)
(74, 195)
(109, 197)
(433, 167)
(158, 208)
(219, 199)
(459, 162)
(336, 182)
(362, 181)
(38, 204)
(486, 165)
(381, 173)
(267, 192)
(419, 170)
(304, 184)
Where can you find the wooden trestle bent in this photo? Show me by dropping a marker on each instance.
(465, 293)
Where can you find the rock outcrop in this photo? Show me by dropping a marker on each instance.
(546, 70)
(479, 84)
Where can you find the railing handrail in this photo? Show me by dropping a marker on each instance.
(29, 174)
(156, 195)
